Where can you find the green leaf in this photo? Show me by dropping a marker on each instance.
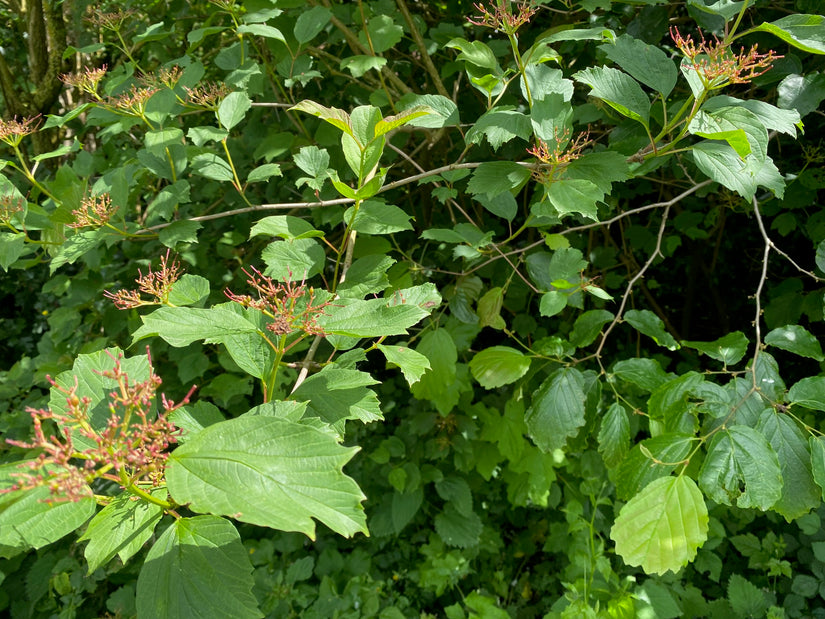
(336, 394)
(202, 135)
(498, 366)
(557, 409)
(12, 246)
(646, 374)
(384, 34)
(770, 116)
(189, 290)
(474, 52)
(438, 384)
(649, 460)
(194, 418)
(489, 309)
(367, 275)
(799, 491)
(496, 177)
(737, 126)
(264, 172)
(293, 260)
(722, 164)
(552, 303)
(270, 472)
(614, 435)
(180, 326)
(412, 363)
(802, 93)
(746, 599)
(820, 256)
(571, 196)
(795, 339)
(662, 527)
(648, 323)
(728, 349)
(198, 567)
(77, 246)
(602, 169)
(28, 520)
(808, 392)
(441, 111)
(647, 63)
(376, 217)
(404, 117)
(310, 23)
(741, 469)
(552, 119)
(334, 116)
(286, 227)
(767, 379)
(121, 528)
(213, 167)
(503, 205)
(588, 326)
(806, 32)
(499, 127)
(457, 528)
(182, 231)
(618, 90)
(817, 447)
(358, 64)
(369, 318)
(262, 30)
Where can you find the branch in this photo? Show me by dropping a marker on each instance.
(763, 277)
(422, 47)
(295, 205)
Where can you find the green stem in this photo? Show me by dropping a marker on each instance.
(30, 177)
(520, 64)
(729, 35)
(237, 181)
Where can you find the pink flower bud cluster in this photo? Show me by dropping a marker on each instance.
(131, 449)
(289, 305)
(156, 284)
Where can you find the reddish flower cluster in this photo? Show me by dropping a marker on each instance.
(157, 284)
(207, 96)
(499, 15)
(131, 449)
(562, 152)
(87, 81)
(9, 207)
(717, 65)
(13, 131)
(132, 102)
(110, 21)
(94, 211)
(289, 305)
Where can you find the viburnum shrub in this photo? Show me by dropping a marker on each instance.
(545, 277)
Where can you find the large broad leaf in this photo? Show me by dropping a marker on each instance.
(795, 339)
(293, 260)
(800, 493)
(647, 63)
(337, 394)
(438, 384)
(557, 411)
(28, 520)
(806, 32)
(369, 318)
(662, 527)
(809, 392)
(197, 568)
(233, 108)
(741, 469)
(728, 349)
(270, 472)
(652, 326)
(571, 196)
(651, 459)
(646, 374)
(121, 528)
(412, 363)
(722, 164)
(500, 126)
(803, 93)
(618, 90)
(772, 117)
(737, 126)
(286, 227)
(499, 365)
(817, 445)
(614, 434)
(496, 177)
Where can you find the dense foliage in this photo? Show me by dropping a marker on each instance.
(400, 309)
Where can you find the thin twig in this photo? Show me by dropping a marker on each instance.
(763, 277)
(654, 254)
(422, 48)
